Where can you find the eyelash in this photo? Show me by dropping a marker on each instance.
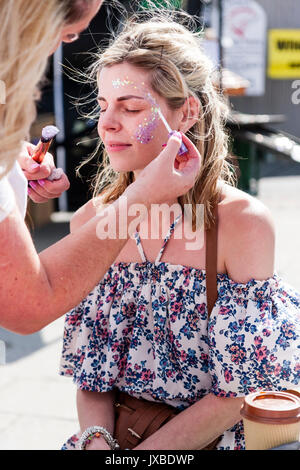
(127, 110)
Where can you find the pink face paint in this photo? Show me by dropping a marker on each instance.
(145, 131)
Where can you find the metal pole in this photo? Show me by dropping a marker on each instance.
(58, 92)
(221, 56)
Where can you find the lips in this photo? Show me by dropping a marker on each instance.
(117, 146)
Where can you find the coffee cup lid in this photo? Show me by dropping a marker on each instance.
(271, 407)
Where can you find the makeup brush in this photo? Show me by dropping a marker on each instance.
(183, 148)
(48, 134)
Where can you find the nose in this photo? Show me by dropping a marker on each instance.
(108, 122)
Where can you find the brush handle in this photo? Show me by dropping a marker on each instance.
(40, 151)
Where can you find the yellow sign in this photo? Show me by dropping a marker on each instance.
(284, 53)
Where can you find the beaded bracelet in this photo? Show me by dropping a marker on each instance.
(97, 431)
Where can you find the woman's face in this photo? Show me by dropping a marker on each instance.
(129, 125)
(71, 32)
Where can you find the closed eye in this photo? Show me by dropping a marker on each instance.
(127, 110)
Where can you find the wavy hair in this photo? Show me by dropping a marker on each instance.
(28, 28)
(172, 53)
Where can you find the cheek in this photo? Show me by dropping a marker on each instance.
(145, 131)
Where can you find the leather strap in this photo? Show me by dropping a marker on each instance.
(211, 241)
(141, 417)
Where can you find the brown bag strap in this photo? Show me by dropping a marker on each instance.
(211, 240)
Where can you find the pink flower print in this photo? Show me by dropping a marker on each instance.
(72, 319)
(224, 310)
(264, 306)
(183, 355)
(261, 353)
(288, 330)
(201, 308)
(257, 340)
(146, 375)
(176, 307)
(237, 354)
(228, 376)
(266, 332)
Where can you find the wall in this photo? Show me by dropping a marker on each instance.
(277, 99)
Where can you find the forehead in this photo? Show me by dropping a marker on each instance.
(118, 77)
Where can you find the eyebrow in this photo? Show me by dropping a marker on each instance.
(122, 98)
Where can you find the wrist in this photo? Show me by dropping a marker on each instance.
(93, 433)
(136, 194)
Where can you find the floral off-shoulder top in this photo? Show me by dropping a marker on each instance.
(144, 329)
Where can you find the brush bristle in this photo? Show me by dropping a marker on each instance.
(48, 133)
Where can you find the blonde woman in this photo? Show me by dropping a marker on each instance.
(148, 331)
(38, 288)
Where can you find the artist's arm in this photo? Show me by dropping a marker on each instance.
(36, 289)
(96, 409)
(249, 253)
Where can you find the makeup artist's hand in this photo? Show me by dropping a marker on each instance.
(166, 177)
(40, 189)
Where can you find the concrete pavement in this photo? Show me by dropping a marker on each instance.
(37, 406)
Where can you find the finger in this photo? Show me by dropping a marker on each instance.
(55, 186)
(172, 147)
(45, 167)
(48, 190)
(193, 157)
(35, 197)
(193, 152)
(35, 171)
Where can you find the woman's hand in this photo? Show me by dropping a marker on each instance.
(165, 177)
(40, 189)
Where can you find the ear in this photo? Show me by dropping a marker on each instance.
(190, 113)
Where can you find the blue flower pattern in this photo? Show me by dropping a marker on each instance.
(144, 330)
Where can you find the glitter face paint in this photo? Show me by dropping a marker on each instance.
(145, 131)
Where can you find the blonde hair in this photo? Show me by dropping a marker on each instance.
(28, 29)
(178, 69)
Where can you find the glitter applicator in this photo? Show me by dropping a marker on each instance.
(183, 148)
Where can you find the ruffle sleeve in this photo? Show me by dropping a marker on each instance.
(254, 337)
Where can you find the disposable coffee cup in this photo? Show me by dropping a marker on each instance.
(270, 419)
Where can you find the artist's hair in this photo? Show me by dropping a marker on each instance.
(27, 29)
(178, 68)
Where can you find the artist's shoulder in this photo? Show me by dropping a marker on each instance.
(248, 235)
(86, 213)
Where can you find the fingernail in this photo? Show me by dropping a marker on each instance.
(34, 166)
(176, 133)
(42, 182)
(28, 190)
(33, 184)
(182, 149)
(164, 145)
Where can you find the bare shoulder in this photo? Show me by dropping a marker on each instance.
(248, 235)
(85, 213)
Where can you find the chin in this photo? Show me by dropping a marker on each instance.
(123, 167)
